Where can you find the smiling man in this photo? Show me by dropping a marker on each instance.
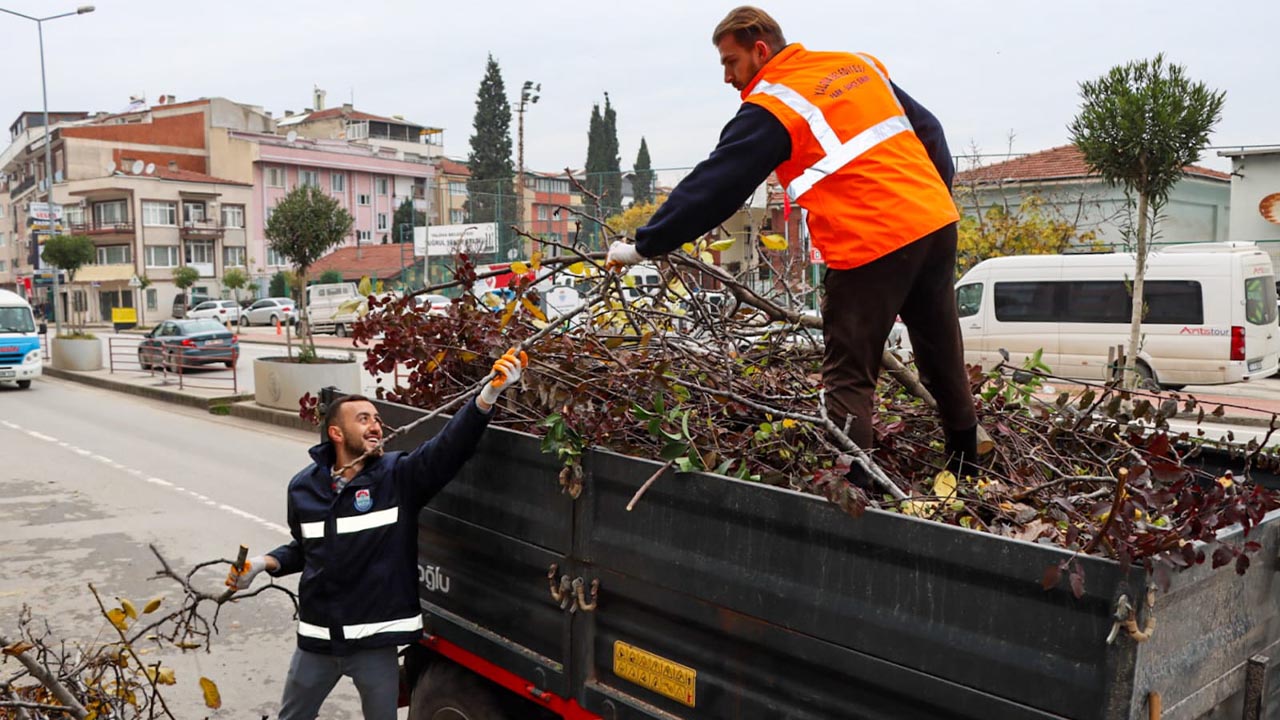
(871, 171)
(353, 514)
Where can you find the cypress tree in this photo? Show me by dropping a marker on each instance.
(490, 190)
(642, 184)
(611, 162)
(594, 166)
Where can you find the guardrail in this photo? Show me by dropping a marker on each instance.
(174, 363)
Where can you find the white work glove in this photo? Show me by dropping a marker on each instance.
(622, 254)
(509, 368)
(242, 579)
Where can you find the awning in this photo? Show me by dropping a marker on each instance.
(104, 273)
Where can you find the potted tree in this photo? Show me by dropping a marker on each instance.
(304, 226)
(235, 280)
(74, 349)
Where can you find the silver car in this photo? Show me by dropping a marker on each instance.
(269, 310)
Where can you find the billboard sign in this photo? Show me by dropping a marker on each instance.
(443, 240)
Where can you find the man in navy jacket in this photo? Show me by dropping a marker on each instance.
(353, 514)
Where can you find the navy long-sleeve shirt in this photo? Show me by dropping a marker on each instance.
(751, 146)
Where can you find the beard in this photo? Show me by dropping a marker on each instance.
(355, 448)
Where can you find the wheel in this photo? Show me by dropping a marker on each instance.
(142, 361)
(340, 330)
(24, 384)
(1146, 377)
(230, 364)
(448, 692)
(274, 319)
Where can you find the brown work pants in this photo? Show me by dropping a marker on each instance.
(916, 282)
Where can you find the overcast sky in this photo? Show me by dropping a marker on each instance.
(987, 68)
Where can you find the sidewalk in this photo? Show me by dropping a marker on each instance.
(1248, 404)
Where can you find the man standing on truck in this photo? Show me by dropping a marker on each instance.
(353, 514)
(871, 171)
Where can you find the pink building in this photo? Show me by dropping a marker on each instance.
(369, 183)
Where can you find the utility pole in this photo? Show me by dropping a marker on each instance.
(528, 96)
(48, 148)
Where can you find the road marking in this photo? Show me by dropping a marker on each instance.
(153, 480)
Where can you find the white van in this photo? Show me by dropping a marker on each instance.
(20, 356)
(1211, 313)
(324, 307)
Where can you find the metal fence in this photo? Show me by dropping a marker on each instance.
(174, 364)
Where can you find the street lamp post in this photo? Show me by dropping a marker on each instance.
(528, 96)
(48, 143)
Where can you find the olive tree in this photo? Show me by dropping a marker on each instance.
(1139, 126)
(305, 225)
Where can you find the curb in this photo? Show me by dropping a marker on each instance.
(178, 398)
(251, 410)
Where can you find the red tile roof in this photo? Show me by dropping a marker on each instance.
(375, 261)
(331, 113)
(452, 167)
(195, 177)
(1058, 163)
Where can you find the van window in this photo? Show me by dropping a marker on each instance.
(1174, 302)
(969, 299)
(1260, 300)
(1025, 301)
(16, 319)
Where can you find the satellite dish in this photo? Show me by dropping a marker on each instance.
(137, 167)
(293, 135)
(151, 169)
(111, 168)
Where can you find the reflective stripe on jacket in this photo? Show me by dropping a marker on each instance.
(864, 181)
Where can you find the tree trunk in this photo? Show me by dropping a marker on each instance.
(1139, 276)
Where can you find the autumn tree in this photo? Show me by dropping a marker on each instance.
(1139, 126)
(1034, 227)
(633, 218)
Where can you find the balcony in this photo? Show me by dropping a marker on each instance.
(22, 187)
(94, 229)
(202, 230)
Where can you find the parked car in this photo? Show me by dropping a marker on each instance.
(183, 343)
(434, 304)
(268, 310)
(224, 311)
(184, 302)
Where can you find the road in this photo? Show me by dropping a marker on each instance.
(92, 477)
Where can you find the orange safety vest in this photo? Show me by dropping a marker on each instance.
(863, 180)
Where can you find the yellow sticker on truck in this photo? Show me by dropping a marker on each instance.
(656, 673)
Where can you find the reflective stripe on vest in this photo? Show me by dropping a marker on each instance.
(362, 630)
(352, 523)
(836, 154)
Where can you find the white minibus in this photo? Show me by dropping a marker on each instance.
(20, 355)
(1210, 313)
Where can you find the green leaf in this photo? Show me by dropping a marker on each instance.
(673, 450)
(684, 464)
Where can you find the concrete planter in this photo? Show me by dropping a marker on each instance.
(76, 354)
(279, 383)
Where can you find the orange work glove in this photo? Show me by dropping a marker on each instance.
(508, 368)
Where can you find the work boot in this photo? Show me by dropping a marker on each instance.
(962, 452)
(858, 477)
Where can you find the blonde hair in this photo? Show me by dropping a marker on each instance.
(748, 24)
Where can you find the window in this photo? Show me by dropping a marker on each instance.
(382, 221)
(362, 235)
(969, 299)
(309, 177)
(152, 299)
(362, 199)
(457, 217)
(275, 177)
(381, 186)
(275, 259)
(1260, 300)
(542, 212)
(192, 212)
(115, 254)
(233, 216)
(338, 182)
(155, 212)
(110, 212)
(266, 218)
(358, 130)
(457, 188)
(1025, 301)
(199, 253)
(233, 257)
(72, 215)
(1, 266)
(161, 256)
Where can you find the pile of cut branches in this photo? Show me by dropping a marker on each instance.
(660, 371)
